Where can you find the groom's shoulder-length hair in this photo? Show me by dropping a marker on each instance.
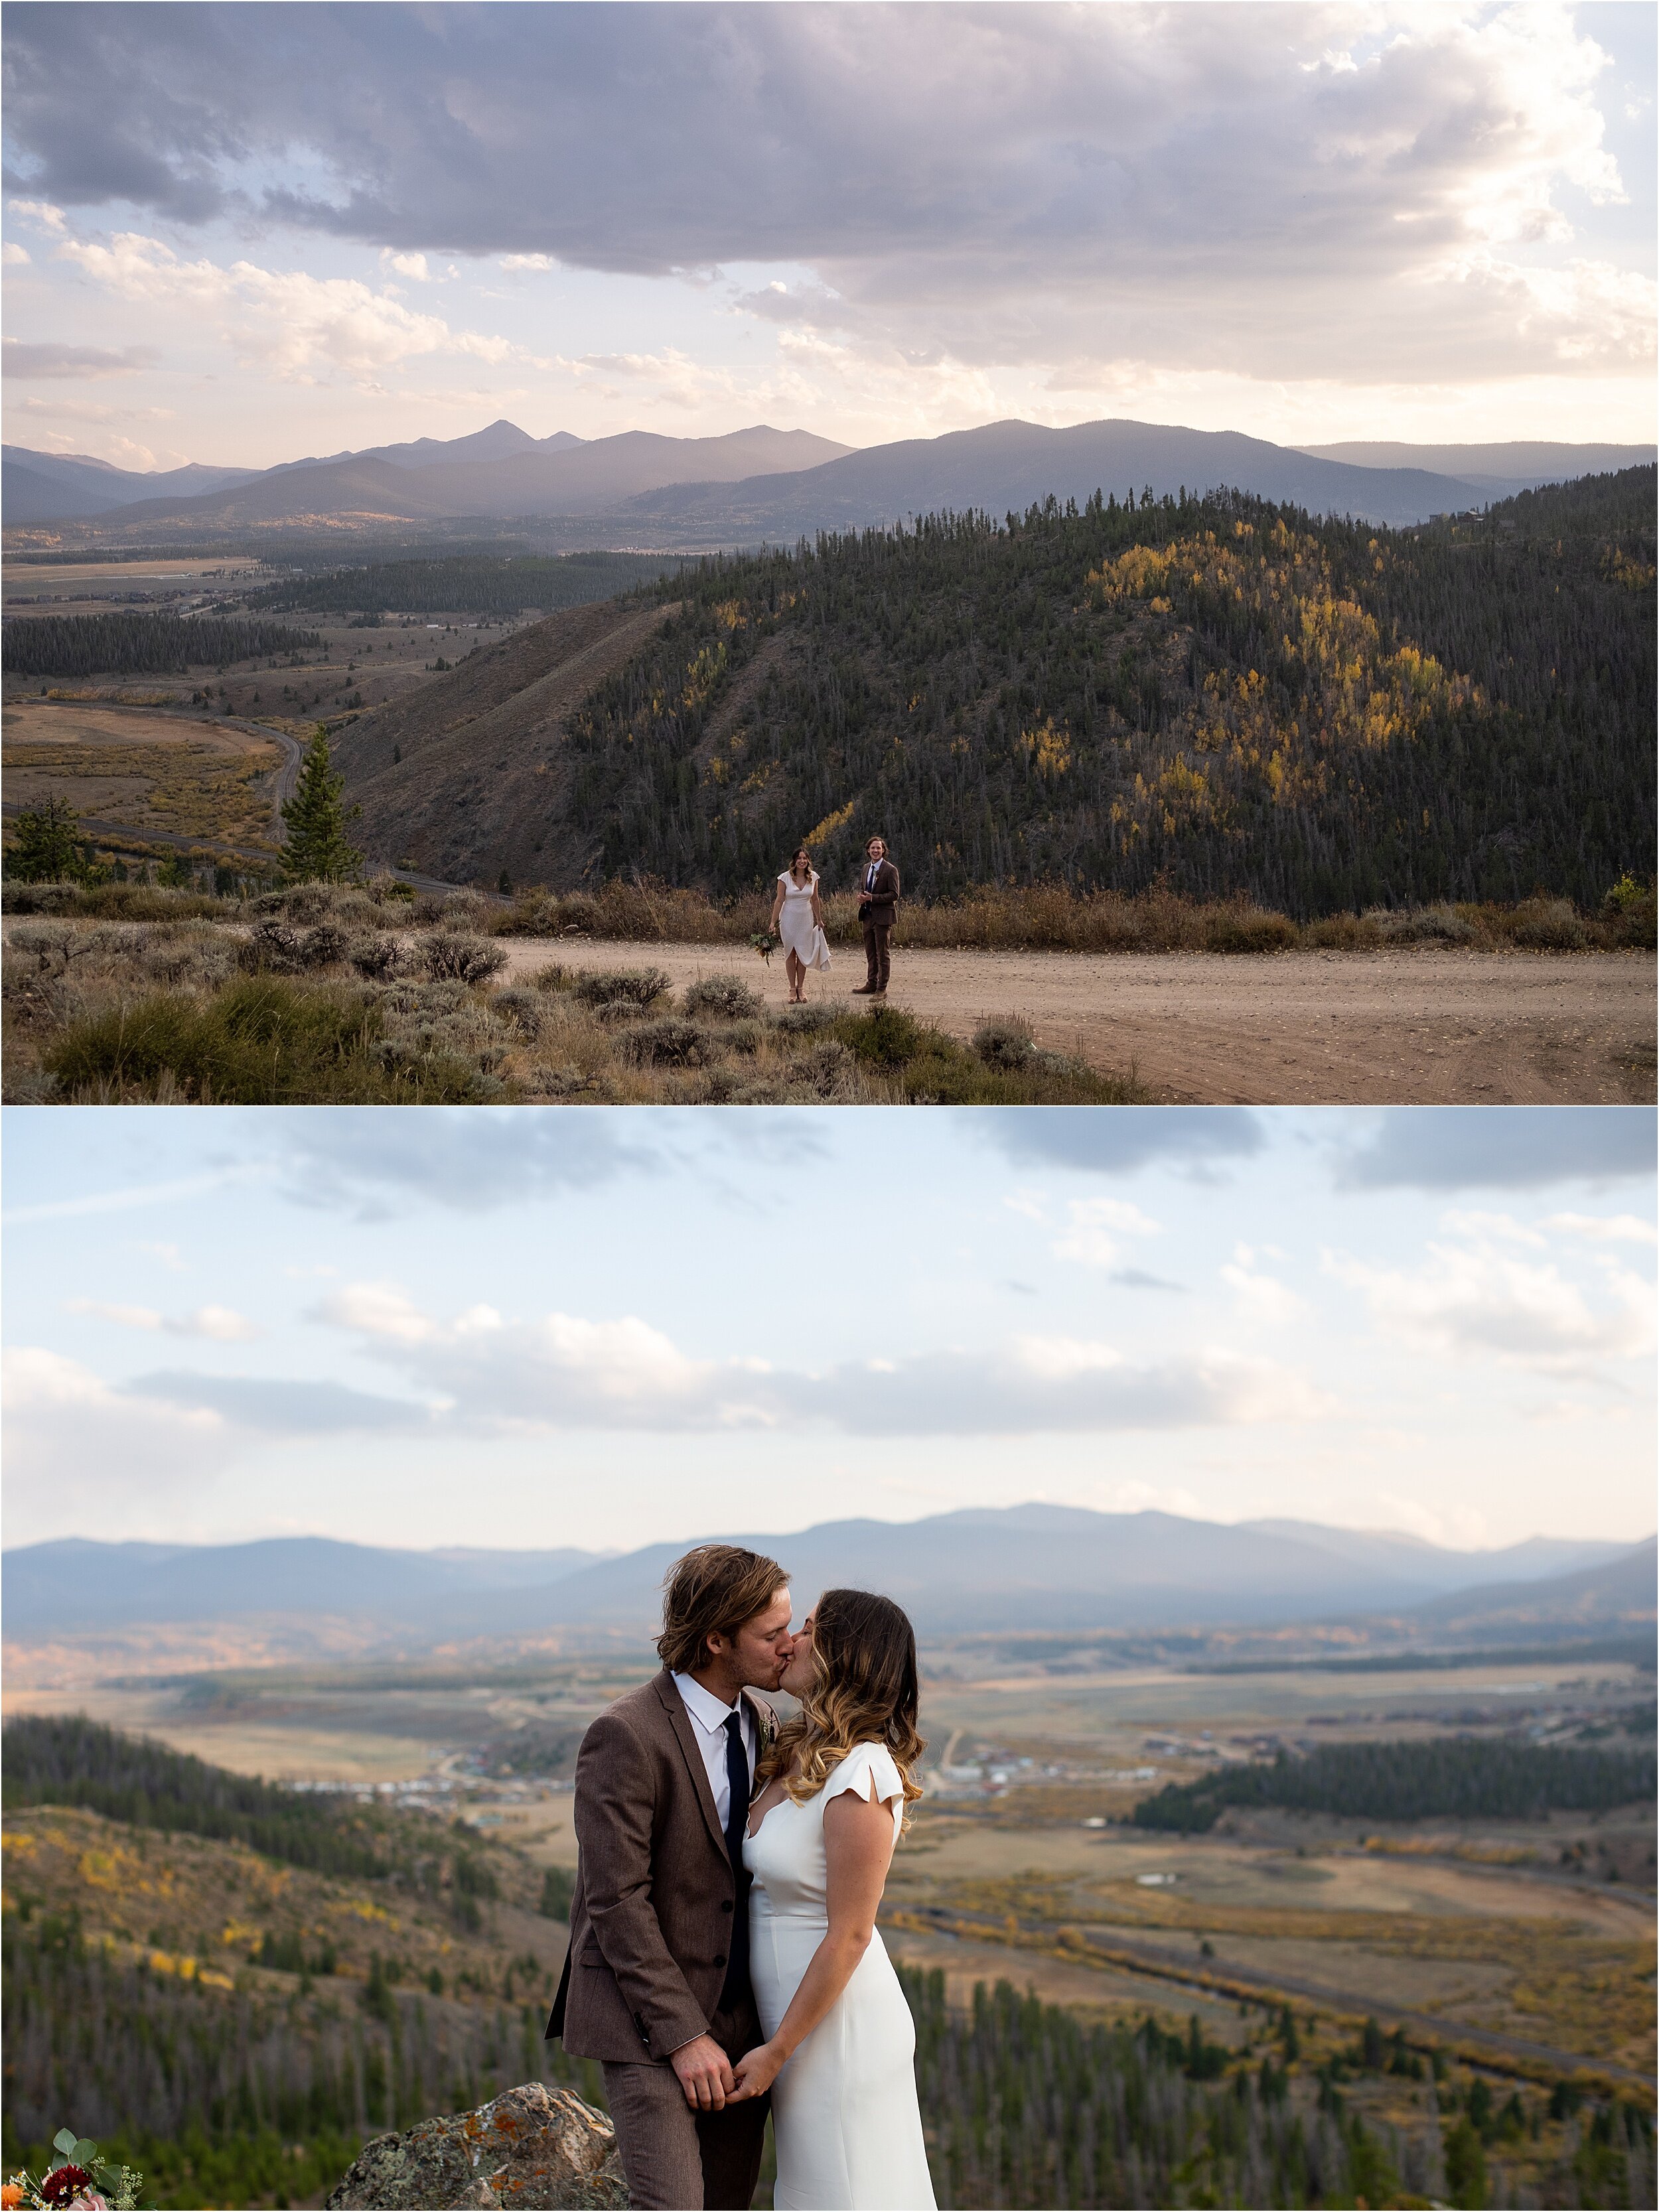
(712, 1590)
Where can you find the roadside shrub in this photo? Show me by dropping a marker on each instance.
(671, 1041)
(556, 976)
(1344, 932)
(1421, 925)
(387, 890)
(377, 958)
(884, 1037)
(1005, 1042)
(810, 1020)
(630, 986)
(1547, 924)
(1249, 929)
(197, 961)
(428, 1026)
(447, 953)
(19, 897)
(276, 946)
(115, 902)
(723, 999)
(526, 1010)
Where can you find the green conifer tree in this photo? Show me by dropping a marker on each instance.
(316, 846)
(46, 846)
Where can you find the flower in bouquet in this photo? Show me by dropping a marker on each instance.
(83, 2181)
(766, 943)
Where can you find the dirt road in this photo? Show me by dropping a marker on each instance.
(1408, 1027)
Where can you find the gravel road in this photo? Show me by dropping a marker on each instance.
(1423, 1027)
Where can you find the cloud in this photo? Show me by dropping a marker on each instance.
(260, 1407)
(285, 321)
(1261, 1299)
(1603, 1229)
(470, 1160)
(565, 1372)
(21, 360)
(1122, 1138)
(75, 1444)
(218, 1322)
(14, 256)
(988, 184)
(1097, 1224)
(1512, 1148)
(1478, 1300)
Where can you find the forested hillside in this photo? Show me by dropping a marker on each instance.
(1454, 1777)
(1218, 694)
(141, 645)
(495, 585)
(65, 1759)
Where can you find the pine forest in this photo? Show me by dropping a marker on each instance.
(1215, 696)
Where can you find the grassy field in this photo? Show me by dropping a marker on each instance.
(177, 774)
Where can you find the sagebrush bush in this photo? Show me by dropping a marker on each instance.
(1007, 1042)
(526, 1009)
(723, 999)
(1548, 925)
(670, 1041)
(1423, 925)
(623, 986)
(448, 953)
(378, 958)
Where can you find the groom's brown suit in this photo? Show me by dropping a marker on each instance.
(651, 1927)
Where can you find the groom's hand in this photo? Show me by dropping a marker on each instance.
(705, 2074)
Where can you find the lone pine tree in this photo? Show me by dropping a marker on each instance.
(46, 845)
(316, 819)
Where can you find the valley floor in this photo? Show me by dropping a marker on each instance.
(1402, 1027)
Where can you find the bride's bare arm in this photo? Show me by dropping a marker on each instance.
(817, 909)
(858, 1847)
(777, 906)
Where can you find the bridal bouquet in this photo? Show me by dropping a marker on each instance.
(81, 2177)
(766, 943)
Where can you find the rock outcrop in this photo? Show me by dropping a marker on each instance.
(530, 2147)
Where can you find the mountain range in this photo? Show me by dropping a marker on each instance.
(761, 482)
(1021, 1567)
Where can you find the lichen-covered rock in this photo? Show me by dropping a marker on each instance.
(530, 2147)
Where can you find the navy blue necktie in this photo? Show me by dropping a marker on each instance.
(736, 1820)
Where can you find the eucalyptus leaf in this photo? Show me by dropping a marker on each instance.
(65, 2140)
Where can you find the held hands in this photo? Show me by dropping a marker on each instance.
(705, 2074)
(757, 2070)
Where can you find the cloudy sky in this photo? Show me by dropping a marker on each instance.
(606, 1327)
(242, 233)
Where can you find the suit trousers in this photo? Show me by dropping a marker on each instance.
(681, 2161)
(876, 957)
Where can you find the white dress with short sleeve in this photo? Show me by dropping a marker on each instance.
(796, 926)
(844, 2108)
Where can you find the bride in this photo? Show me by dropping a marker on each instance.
(839, 2056)
(797, 919)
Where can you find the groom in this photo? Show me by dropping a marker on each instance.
(878, 898)
(656, 1979)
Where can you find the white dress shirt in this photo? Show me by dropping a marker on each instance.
(708, 1719)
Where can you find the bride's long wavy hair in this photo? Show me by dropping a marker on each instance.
(865, 1691)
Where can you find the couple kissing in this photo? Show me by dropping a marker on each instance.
(723, 1955)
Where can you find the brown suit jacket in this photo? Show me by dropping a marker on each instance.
(652, 1916)
(880, 907)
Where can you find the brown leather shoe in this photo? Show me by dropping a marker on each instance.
(866, 990)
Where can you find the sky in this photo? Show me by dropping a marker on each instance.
(606, 1327)
(243, 233)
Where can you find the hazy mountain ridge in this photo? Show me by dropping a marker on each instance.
(762, 482)
(1031, 1566)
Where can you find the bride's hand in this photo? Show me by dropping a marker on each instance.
(757, 2070)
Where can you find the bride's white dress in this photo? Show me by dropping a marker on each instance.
(844, 2109)
(801, 934)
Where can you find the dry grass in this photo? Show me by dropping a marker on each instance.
(1046, 918)
(185, 778)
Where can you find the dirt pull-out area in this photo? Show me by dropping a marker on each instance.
(1397, 1028)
